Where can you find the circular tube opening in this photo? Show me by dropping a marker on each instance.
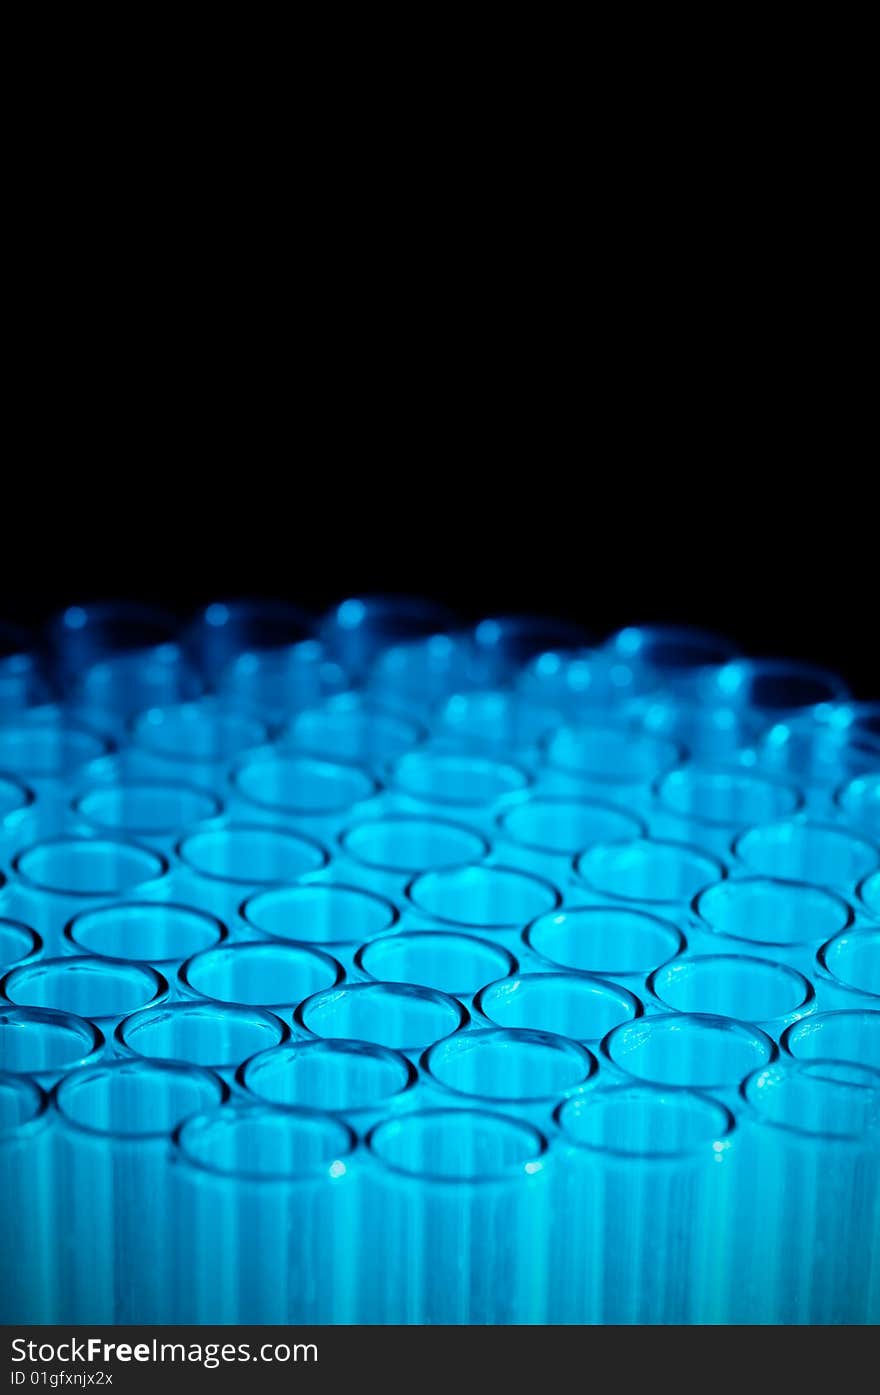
(201, 1033)
(17, 942)
(564, 826)
(849, 1035)
(136, 1099)
(689, 1050)
(329, 1075)
(725, 798)
(511, 640)
(458, 1145)
(261, 974)
(776, 685)
(48, 746)
(88, 866)
(644, 1121)
(859, 802)
(207, 732)
(39, 1042)
(732, 985)
(99, 990)
(397, 1015)
(260, 1144)
(302, 785)
(320, 913)
(796, 850)
(567, 1005)
(509, 1065)
(350, 729)
(22, 1102)
(456, 779)
(612, 754)
(15, 798)
(152, 932)
(146, 809)
(852, 960)
(655, 871)
(604, 940)
(831, 1100)
(672, 651)
(252, 855)
(407, 844)
(483, 898)
(441, 959)
(494, 717)
(769, 911)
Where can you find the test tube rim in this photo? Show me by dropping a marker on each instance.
(332, 705)
(399, 936)
(345, 1046)
(20, 925)
(267, 943)
(841, 790)
(731, 1025)
(616, 909)
(804, 1007)
(188, 758)
(195, 912)
(451, 1112)
(117, 1065)
(661, 1092)
(814, 825)
(474, 757)
(141, 783)
(618, 897)
(231, 1112)
(397, 816)
(397, 990)
(479, 926)
(34, 1122)
(826, 973)
(69, 1021)
(269, 754)
(676, 633)
(45, 716)
(770, 666)
(160, 862)
(532, 798)
(793, 1064)
(744, 772)
(99, 963)
(677, 754)
(246, 827)
(595, 980)
(817, 1019)
(245, 910)
(134, 1020)
(566, 1046)
(787, 882)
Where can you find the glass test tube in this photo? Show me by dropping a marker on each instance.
(464, 786)
(397, 1015)
(858, 801)
(27, 1244)
(224, 630)
(543, 833)
(848, 972)
(318, 797)
(218, 868)
(656, 874)
(782, 920)
(351, 729)
(262, 974)
(496, 901)
(360, 1080)
(671, 656)
(827, 855)
(275, 683)
(102, 991)
(265, 1220)
(772, 687)
(192, 741)
(760, 991)
(496, 721)
(505, 642)
(44, 1044)
(708, 806)
(113, 1179)
(569, 1004)
(151, 811)
(414, 676)
(581, 683)
(153, 932)
(327, 915)
(357, 630)
(17, 816)
(819, 749)
(693, 1051)
(18, 943)
(112, 691)
(84, 635)
(609, 763)
(614, 942)
(384, 854)
(218, 1036)
(850, 1034)
(43, 748)
(443, 959)
(22, 680)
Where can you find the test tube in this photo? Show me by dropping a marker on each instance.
(318, 797)
(83, 635)
(153, 811)
(464, 786)
(571, 1005)
(154, 932)
(216, 1035)
(581, 682)
(43, 748)
(193, 741)
(848, 973)
(859, 803)
(827, 855)
(384, 854)
(760, 991)
(28, 1249)
(413, 676)
(101, 990)
(656, 873)
(495, 720)
(397, 1015)
(689, 1050)
(111, 691)
(607, 763)
(22, 681)
(56, 878)
(455, 1225)
(113, 1176)
(671, 655)
(498, 901)
(18, 943)
(542, 833)
(265, 1206)
(709, 805)
(635, 1224)
(614, 942)
(327, 915)
(217, 868)
(772, 687)
(711, 732)
(352, 729)
(783, 920)
(454, 964)
(505, 642)
(819, 748)
(851, 1034)
(262, 974)
(16, 815)
(44, 1045)
(357, 630)
(273, 684)
(358, 1079)
(807, 1178)
(226, 629)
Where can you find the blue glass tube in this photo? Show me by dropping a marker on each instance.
(226, 629)
(467, 787)
(504, 643)
(858, 800)
(192, 741)
(606, 762)
(848, 972)
(156, 812)
(760, 991)
(452, 963)
(710, 732)
(276, 683)
(454, 1220)
(153, 932)
(615, 942)
(17, 816)
(807, 1177)
(415, 676)
(101, 990)
(18, 944)
(515, 1069)
(869, 896)
(497, 901)
(319, 797)
(45, 1045)
(845, 1035)
(22, 681)
(581, 683)
(358, 1079)
(28, 1248)
(827, 855)
(709, 805)
(655, 873)
(217, 868)
(58, 877)
(819, 748)
(638, 1161)
(216, 1035)
(782, 920)
(327, 915)
(43, 748)
(110, 692)
(262, 974)
(495, 720)
(385, 853)
(113, 1186)
(569, 1004)
(265, 1207)
(689, 1050)
(773, 687)
(83, 635)
(352, 729)
(361, 627)
(396, 1015)
(543, 833)
(671, 655)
